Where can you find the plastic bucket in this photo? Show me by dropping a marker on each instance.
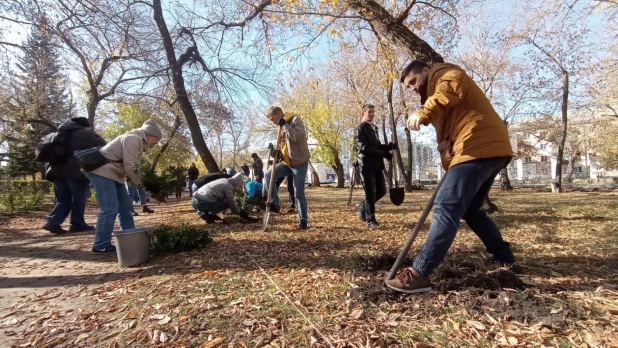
(133, 246)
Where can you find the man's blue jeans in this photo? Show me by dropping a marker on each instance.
(190, 186)
(70, 196)
(113, 201)
(375, 188)
(300, 174)
(461, 196)
(208, 207)
(136, 192)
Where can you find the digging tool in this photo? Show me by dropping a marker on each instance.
(414, 233)
(396, 193)
(355, 179)
(272, 178)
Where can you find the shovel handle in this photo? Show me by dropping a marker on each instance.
(414, 233)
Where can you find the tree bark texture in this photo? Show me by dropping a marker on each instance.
(179, 87)
(557, 185)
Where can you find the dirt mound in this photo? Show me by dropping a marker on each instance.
(383, 262)
(457, 279)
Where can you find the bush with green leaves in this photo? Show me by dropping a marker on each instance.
(244, 202)
(167, 239)
(21, 199)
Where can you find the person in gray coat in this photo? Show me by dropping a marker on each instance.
(124, 154)
(71, 187)
(217, 196)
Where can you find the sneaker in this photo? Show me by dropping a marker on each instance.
(86, 228)
(206, 217)
(145, 209)
(302, 225)
(55, 229)
(409, 281)
(373, 225)
(273, 208)
(110, 249)
(360, 210)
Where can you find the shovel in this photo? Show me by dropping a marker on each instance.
(272, 179)
(396, 193)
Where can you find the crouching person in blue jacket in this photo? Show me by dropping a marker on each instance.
(217, 196)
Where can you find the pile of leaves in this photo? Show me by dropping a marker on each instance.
(168, 239)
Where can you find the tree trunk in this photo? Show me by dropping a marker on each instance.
(181, 94)
(91, 107)
(315, 178)
(177, 124)
(340, 171)
(395, 31)
(557, 184)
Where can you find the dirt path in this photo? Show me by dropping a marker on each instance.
(43, 274)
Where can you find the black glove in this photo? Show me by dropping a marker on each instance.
(393, 146)
(281, 122)
(388, 155)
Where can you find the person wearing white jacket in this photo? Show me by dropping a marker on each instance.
(124, 154)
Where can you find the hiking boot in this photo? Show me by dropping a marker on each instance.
(302, 225)
(373, 225)
(409, 281)
(55, 229)
(273, 208)
(145, 209)
(86, 228)
(360, 210)
(110, 249)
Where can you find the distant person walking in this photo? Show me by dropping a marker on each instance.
(193, 173)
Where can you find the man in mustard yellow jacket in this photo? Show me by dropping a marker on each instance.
(474, 146)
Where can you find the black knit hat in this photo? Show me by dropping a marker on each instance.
(81, 121)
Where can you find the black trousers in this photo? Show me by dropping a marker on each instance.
(289, 181)
(375, 188)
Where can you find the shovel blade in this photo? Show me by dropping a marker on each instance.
(266, 216)
(397, 195)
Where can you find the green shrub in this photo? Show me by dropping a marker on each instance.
(92, 198)
(243, 201)
(38, 185)
(166, 239)
(21, 199)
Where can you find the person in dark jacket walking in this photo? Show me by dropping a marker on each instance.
(371, 155)
(71, 187)
(258, 168)
(193, 173)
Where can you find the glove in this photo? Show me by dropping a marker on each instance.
(393, 146)
(282, 122)
(244, 214)
(388, 155)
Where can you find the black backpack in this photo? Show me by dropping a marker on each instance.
(54, 148)
(201, 181)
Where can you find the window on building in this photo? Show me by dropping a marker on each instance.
(543, 146)
(543, 158)
(528, 159)
(578, 170)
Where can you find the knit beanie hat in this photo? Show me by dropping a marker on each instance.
(151, 128)
(81, 121)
